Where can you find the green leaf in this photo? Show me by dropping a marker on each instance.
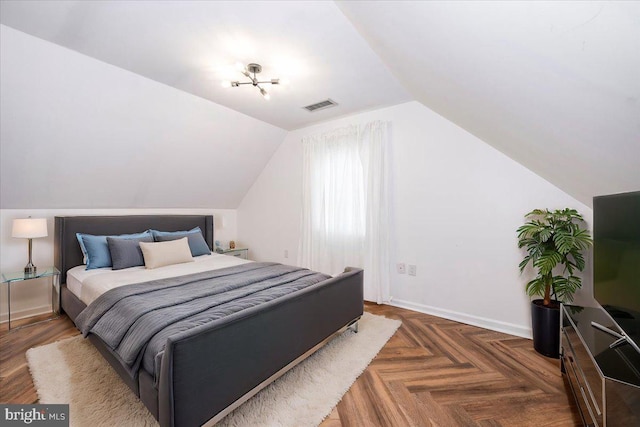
(579, 260)
(583, 239)
(564, 241)
(527, 242)
(524, 263)
(535, 287)
(545, 234)
(554, 238)
(547, 261)
(566, 286)
(537, 212)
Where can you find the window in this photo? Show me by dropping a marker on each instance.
(345, 203)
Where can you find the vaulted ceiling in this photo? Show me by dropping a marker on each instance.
(553, 85)
(195, 45)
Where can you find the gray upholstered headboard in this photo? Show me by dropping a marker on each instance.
(67, 253)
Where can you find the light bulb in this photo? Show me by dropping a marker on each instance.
(265, 94)
(226, 83)
(242, 69)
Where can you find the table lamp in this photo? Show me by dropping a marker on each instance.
(29, 228)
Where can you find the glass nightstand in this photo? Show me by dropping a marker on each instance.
(14, 278)
(237, 252)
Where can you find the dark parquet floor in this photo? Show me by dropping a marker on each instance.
(435, 372)
(432, 372)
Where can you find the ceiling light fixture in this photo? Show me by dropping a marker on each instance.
(247, 71)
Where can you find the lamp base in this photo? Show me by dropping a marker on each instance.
(30, 269)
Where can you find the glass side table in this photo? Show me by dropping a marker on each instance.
(15, 278)
(237, 252)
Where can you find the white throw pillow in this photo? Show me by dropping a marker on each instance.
(160, 254)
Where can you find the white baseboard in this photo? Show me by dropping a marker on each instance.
(23, 314)
(482, 322)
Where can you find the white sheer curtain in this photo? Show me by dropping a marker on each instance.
(345, 212)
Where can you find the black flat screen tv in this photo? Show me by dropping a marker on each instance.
(616, 260)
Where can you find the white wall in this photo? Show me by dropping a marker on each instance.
(81, 137)
(552, 84)
(76, 132)
(457, 203)
(34, 297)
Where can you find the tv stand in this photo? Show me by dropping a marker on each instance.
(622, 338)
(601, 368)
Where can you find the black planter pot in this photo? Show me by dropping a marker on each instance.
(545, 322)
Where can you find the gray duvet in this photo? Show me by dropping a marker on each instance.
(136, 320)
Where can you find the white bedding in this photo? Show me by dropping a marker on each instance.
(90, 284)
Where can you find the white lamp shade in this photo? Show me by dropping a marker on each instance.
(29, 228)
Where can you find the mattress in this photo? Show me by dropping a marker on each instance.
(88, 285)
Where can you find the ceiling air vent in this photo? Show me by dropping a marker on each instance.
(320, 105)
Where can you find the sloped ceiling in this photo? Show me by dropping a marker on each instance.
(194, 46)
(79, 133)
(554, 85)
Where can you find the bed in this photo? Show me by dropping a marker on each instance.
(206, 371)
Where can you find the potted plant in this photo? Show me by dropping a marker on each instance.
(554, 242)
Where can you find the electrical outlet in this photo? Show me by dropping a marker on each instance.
(412, 270)
(402, 269)
(286, 253)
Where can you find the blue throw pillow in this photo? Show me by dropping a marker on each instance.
(197, 244)
(96, 249)
(157, 233)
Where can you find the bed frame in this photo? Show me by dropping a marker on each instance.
(208, 371)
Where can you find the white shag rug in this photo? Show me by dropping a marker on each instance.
(72, 371)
